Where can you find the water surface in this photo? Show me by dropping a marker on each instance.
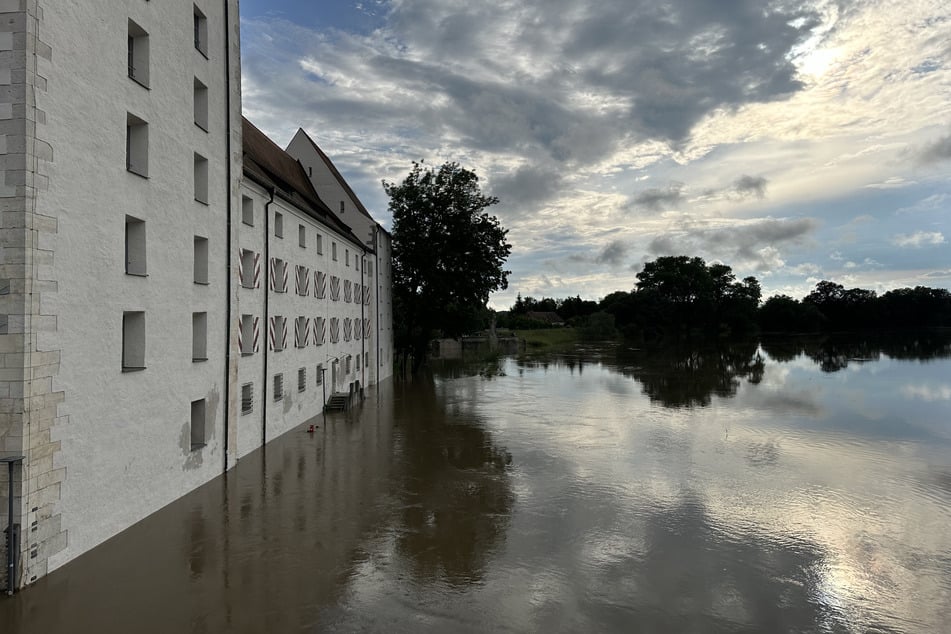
(784, 487)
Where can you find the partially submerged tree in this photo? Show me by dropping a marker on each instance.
(448, 255)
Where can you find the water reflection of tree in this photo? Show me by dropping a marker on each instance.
(688, 377)
(456, 493)
(835, 352)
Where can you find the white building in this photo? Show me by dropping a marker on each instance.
(126, 379)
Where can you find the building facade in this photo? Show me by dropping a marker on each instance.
(143, 352)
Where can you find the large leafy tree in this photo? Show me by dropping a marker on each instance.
(448, 255)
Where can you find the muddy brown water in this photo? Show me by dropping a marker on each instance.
(793, 486)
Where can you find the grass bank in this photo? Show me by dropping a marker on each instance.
(548, 337)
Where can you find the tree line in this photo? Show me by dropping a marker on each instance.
(681, 296)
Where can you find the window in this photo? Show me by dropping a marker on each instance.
(247, 398)
(369, 267)
(4, 324)
(278, 333)
(349, 361)
(201, 179)
(320, 373)
(320, 327)
(136, 145)
(201, 105)
(247, 341)
(366, 359)
(278, 275)
(248, 270)
(342, 206)
(358, 363)
(301, 332)
(138, 54)
(198, 424)
(133, 341)
(302, 379)
(333, 251)
(278, 225)
(247, 211)
(356, 262)
(346, 259)
(201, 260)
(319, 243)
(278, 387)
(301, 236)
(201, 32)
(134, 246)
(199, 336)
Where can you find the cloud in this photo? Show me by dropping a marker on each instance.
(750, 186)
(613, 253)
(939, 150)
(527, 185)
(919, 239)
(754, 244)
(657, 199)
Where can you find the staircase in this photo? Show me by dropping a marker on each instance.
(338, 402)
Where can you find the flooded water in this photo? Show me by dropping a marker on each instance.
(782, 487)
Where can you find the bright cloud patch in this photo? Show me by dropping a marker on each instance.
(919, 239)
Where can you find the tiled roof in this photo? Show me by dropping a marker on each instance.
(266, 163)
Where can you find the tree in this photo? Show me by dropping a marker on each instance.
(448, 255)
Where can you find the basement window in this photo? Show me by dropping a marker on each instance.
(302, 379)
(278, 387)
(136, 145)
(138, 54)
(201, 32)
(201, 260)
(247, 398)
(201, 179)
(134, 246)
(198, 424)
(199, 336)
(133, 341)
(247, 211)
(201, 105)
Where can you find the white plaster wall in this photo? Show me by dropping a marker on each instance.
(126, 445)
(296, 407)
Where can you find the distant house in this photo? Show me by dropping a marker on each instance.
(548, 317)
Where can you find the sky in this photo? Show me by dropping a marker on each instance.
(793, 141)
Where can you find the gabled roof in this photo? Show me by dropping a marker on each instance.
(337, 175)
(267, 164)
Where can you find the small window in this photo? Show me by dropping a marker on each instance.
(366, 359)
(133, 341)
(302, 379)
(201, 260)
(134, 246)
(342, 206)
(346, 257)
(320, 374)
(247, 210)
(333, 251)
(138, 54)
(201, 179)
(199, 336)
(247, 398)
(319, 243)
(278, 387)
(201, 105)
(278, 224)
(349, 361)
(201, 32)
(358, 363)
(356, 262)
(198, 424)
(301, 236)
(246, 338)
(136, 145)
(369, 267)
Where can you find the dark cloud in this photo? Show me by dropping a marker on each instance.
(750, 186)
(613, 254)
(752, 245)
(658, 199)
(939, 150)
(528, 185)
